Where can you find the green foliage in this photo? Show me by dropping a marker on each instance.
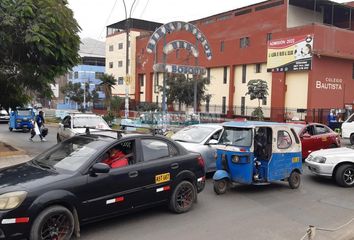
(39, 41)
(76, 93)
(108, 82)
(147, 106)
(116, 104)
(257, 89)
(109, 117)
(180, 88)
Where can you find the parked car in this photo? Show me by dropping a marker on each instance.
(4, 116)
(316, 136)
(76, 123)
(196, 138)
(21, 118)
(334, 163)
(348, 129)
(77, 182)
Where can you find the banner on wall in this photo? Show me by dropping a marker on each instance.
(290, 54)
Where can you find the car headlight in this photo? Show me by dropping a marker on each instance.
(319, 159)
(12, 200)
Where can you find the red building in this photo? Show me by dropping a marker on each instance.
(239, 41)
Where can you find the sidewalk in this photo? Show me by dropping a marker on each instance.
(10, 155)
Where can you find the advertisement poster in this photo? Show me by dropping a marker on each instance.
(290, 54)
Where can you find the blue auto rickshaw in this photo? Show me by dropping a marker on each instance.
(21, 118)
(257, 153)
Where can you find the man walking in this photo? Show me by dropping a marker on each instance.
(37, 128)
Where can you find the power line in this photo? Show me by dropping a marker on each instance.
(142, 13)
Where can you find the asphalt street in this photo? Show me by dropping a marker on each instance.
(268, 212)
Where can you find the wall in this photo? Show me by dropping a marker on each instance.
(300, 16)
(217, 88)
(296, 89)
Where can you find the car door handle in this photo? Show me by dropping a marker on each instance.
(174, 165)
(133, 174)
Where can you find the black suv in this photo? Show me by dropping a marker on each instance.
(91, 177)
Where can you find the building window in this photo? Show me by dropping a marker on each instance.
(141, 78)
(120, 45)
(120, 81)
(111, 48)
(208, 75)
(269, 37)
(223, 105)
(244, 70)
(221, 46)
(120, 63)
(258, 68)
(76, 75)
(110, 64)
(225, 75)
(70, 75)
(244, 42)
(353, 71)
(157, 99)
(243, 103)
(264, 101)
(98, 75)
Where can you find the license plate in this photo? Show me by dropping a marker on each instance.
(165, 177)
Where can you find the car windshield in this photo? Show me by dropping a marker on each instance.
(89, 121)
(241, 137)
(71, 154)
(24, 112)
(193, 134)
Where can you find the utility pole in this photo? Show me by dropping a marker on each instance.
(127, 77)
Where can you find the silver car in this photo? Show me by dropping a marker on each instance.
(196, 138)
(336, 162)
(4, 116)
(76, 123)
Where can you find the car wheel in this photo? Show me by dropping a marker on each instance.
(183, 197)
(352, 139)
(10, 128)
(333, 146)
(220, 186)
(345, 175)
(55, 222)
(294, 180)
(58, 138)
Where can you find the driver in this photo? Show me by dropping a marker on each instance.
(116, 158)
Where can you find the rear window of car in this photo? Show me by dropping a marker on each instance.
(193, 134)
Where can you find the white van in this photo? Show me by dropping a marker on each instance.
(348, 129)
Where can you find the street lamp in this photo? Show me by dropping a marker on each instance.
(127, 77)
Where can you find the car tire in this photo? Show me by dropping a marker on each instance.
(220, 186)
(345, 175)
(333, 146)
(294, 180)
(10, 128)
(352, 139)
(58, 138)
(47, 220)
(183, 197)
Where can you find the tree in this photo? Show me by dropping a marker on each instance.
(257, 89)
(39, 41)
(76, 93)
(180, 88)
(108, 82)
(116, 103)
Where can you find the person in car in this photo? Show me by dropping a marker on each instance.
(116, 159)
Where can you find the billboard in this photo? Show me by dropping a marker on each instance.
(290, 54)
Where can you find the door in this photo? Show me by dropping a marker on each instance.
(160, 167)
(116, 191)
(324, 134)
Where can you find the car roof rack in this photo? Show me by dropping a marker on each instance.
(119, 132)
(153, 130)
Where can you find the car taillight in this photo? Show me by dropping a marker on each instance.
(201, 162)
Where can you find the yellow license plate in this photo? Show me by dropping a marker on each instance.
(165, 177)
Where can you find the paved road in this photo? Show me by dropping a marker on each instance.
(272, 212)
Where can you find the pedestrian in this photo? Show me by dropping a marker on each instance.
(38, 126)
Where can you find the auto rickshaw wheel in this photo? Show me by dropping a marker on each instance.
(10, 128)
(294, 180)
(220, 186)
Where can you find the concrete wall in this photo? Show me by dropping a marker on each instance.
(300, 16)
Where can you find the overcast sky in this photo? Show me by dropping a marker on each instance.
(94, 15)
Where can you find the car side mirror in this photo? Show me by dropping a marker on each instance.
(306, 135)
(66, 125)
(213, 142)
(100, 168)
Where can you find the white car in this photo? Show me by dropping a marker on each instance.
(4, 116)
(348, 129)
(77, 123)
(337, 163)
